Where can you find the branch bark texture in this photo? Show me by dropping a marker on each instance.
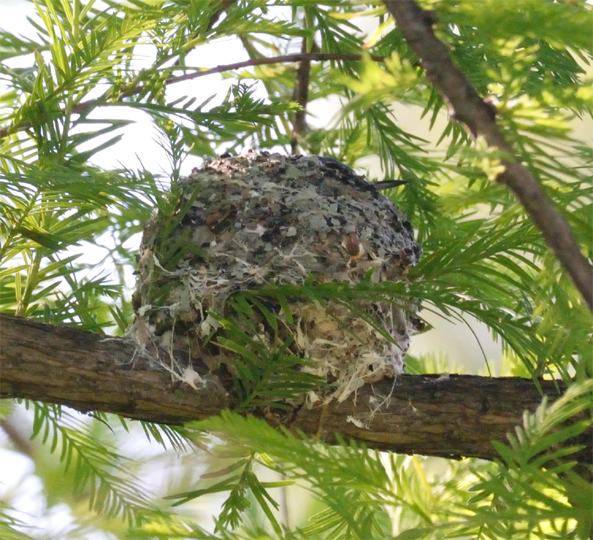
(457, 91)
(301, 96)
(443, 416)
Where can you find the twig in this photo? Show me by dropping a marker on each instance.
(298, 57)
(463, 99)
(301, 96)
(86, 106)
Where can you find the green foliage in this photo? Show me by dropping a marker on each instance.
(61, 97)
(90, 466)
(533, 491)
(266, 373)
(11, 528)
(238, 485)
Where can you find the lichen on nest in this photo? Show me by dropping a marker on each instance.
(247, 222)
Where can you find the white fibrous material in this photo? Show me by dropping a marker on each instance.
(247, 222)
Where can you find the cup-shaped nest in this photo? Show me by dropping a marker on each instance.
(264, 220)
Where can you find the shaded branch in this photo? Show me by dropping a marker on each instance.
(468, 108)
(301, 96)
(440, 416)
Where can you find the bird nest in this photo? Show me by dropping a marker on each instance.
(267, 221)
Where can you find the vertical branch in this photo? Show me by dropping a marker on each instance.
(301, 96)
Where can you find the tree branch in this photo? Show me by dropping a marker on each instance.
(301, 96)
(86, 106)
(471, 110)
(440, 416)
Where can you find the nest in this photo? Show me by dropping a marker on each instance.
(257, 220)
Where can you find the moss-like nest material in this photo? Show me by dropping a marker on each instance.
(242, 223)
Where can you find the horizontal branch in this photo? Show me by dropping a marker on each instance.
(448, 416)
(288, 58)
(86, 106)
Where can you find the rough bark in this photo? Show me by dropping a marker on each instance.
(448, 416)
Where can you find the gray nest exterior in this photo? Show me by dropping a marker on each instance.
(247, 222)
